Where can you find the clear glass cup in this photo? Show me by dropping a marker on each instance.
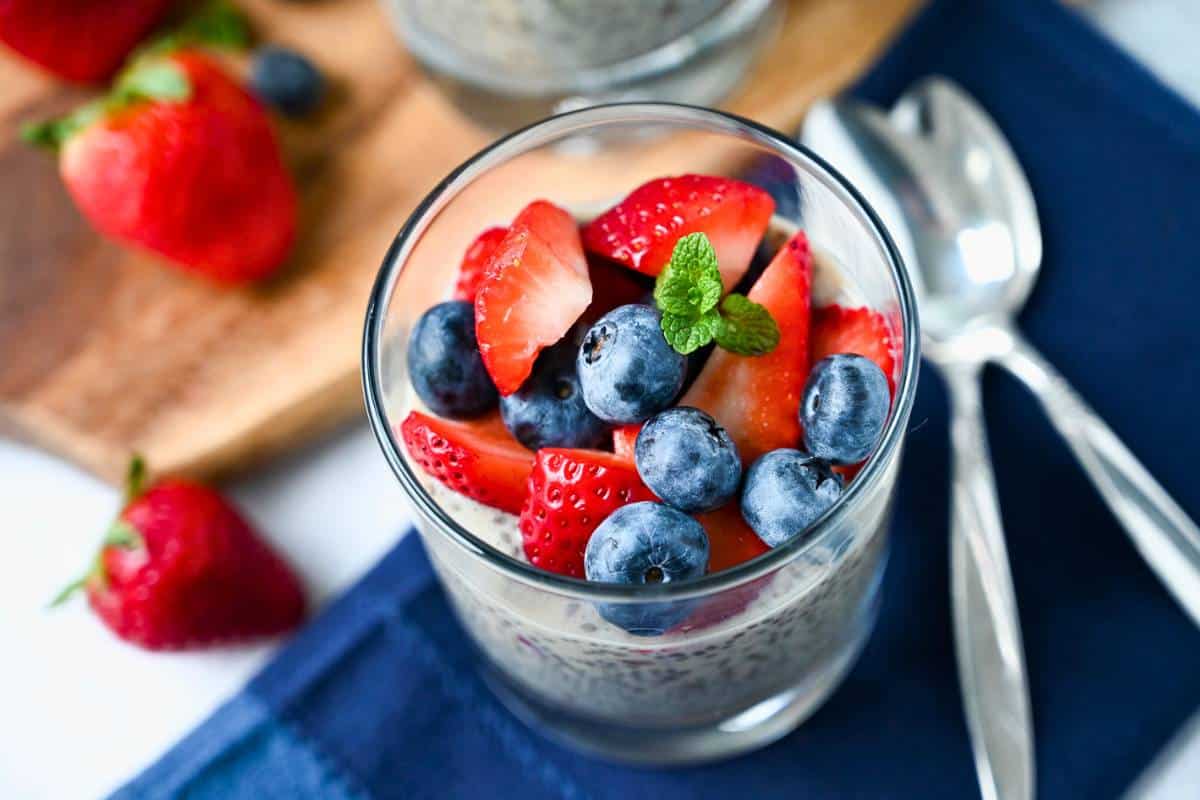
(508, 62)
(765, 642)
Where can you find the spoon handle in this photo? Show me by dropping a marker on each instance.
(1167, 539)
(987, 631)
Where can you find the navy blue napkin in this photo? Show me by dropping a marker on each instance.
(379, 697)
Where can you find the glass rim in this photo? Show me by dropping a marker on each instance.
(544, 132)
(730, 21)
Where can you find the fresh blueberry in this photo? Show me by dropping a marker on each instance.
(688, 460)
(286, 80)
(695, 359)
(444, 364)
(786, 490)
(627, 369)
(844, 407)
(548, 410)
(646, 543)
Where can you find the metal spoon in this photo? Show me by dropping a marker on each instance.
(943, 180)
(952, 193)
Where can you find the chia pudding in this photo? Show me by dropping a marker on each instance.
(507, 62)
(794, 629)
(533, 37)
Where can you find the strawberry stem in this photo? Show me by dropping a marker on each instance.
(158, 80)
(52, 134)
(120, 534)
(135, 479)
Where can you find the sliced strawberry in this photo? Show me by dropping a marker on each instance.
(475, 263)
(837, 329)
(479, 459)
(624, 441)
(570, 493)
(757, 398)
(535, 289)
(640, 231)
(731, 541)
(848, 471)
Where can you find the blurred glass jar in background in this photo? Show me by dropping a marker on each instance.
(506, 63)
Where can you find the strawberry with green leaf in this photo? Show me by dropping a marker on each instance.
(180, 160)
(180, 568)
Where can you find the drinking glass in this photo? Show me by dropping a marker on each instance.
(763, 643)
(508, 62)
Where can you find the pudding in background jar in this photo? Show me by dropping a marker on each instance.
(506, 63)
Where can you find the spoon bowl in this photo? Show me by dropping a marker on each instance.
(949, 188)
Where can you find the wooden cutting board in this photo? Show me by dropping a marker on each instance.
(104, 351)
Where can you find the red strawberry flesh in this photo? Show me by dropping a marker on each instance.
(78, 40)
(475, 263)
(535, 289)
(570, 493)
(837, 329)
(757, 398)
(625, 441)
(478, 459)
(641, 231)
(731, 541)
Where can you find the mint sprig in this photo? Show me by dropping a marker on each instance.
(688, 293)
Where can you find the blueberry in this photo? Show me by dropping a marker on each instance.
(688, 460)
(548, 410)
(786, 490)
(286, 80)
(646, 543)
(627, 369)
(444, 364)
(844, 407)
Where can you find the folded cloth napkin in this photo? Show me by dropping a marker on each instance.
(379, 696)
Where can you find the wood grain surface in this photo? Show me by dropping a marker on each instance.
(104, 350)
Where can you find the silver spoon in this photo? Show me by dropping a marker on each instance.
(943, 180)
(950, 190)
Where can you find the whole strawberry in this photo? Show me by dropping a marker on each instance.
(78, 40)
(179, 159)
(181, 568)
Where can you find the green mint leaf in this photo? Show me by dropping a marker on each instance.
(153, 80)
(689, 333)
(690, 284)
(746, 328)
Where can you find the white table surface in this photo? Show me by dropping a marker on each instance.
(80, 712)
